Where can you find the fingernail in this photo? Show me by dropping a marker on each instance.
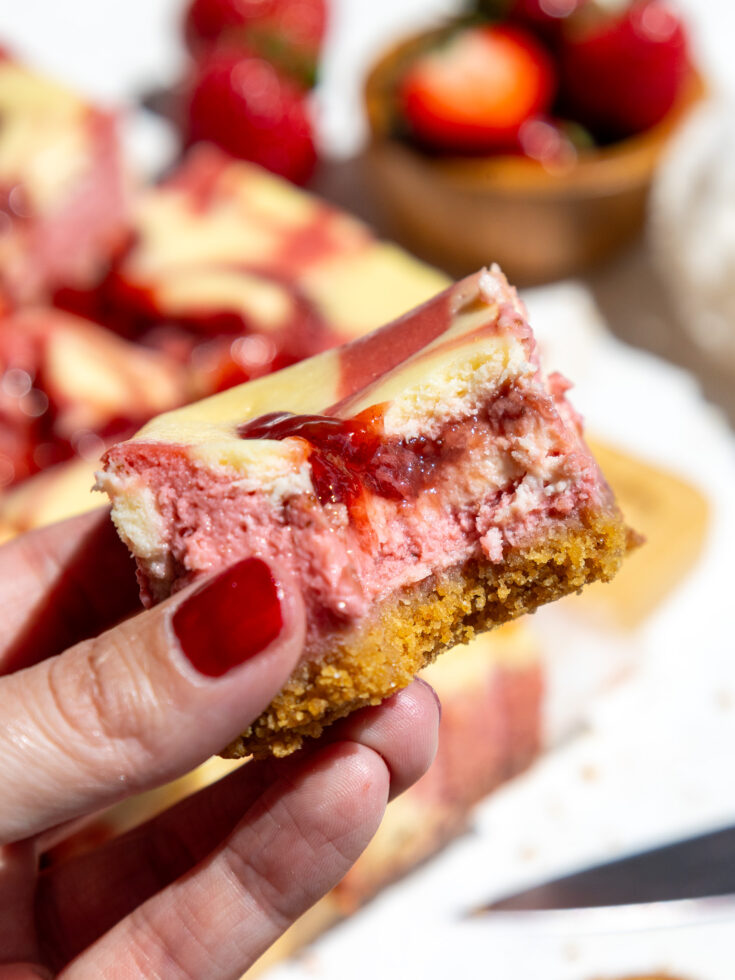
(230, 619)
(435, 695)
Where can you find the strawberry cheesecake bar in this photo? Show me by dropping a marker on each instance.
(240, 273)
(491, 691)
(69, 388)
(63, 190)
(423, 484)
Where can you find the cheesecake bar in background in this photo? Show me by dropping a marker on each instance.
(69, 388)
(421, 484)
(242, 273)
(491, 729)
(54, 494)
(202, 304)
(672, 516)
(64, 192)
(492, 694)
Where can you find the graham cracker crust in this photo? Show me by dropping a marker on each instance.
(368, 663)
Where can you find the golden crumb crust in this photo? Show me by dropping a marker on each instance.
(372, 661)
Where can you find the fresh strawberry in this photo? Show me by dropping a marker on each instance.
(247, 107)
(473, 93)
(621, 75)
(287, 32)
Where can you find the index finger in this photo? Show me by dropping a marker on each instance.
(62, 584)
(148, 700)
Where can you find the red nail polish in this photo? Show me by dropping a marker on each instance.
(230, 619)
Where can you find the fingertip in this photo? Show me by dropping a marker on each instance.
(403, 731)
(414, 734)
(363, 771)
(337, 794)
(420, 683)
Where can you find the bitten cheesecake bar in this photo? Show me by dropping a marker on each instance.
(422, 484)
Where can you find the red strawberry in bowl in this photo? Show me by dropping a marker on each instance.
(247, 107)
(287, 32)
(474, 92)
(621, 75)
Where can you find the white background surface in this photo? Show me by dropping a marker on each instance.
(658, 756)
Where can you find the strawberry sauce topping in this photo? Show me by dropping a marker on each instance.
(349, 456)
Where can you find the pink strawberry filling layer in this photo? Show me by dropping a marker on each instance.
(504, 480)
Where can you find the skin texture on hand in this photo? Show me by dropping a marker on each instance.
(102, 701)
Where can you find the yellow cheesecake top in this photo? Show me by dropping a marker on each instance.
(459, 353)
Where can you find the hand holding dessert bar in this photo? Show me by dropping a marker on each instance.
(420, 485)
(95, 712)
(307, 543)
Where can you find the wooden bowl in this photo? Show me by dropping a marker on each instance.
(464, 212)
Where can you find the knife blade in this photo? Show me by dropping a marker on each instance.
(609, 919)
(694, 868)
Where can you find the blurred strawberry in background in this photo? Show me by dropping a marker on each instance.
(571, 73)
(248, 107)
(247, 90)
(288, 33)
(473, 94)
(620, 74)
